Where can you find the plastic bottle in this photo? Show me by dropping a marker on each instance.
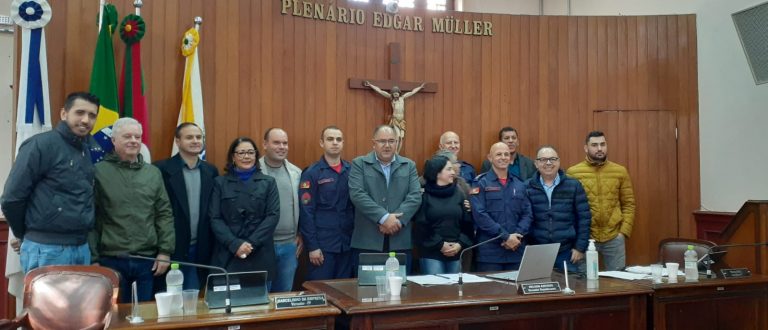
(392, 266)
(592, 261)
(174, 280)
(691, 264)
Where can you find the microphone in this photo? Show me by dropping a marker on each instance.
(227, 307)
(461, 255)
(707, 258)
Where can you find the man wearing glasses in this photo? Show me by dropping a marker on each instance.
(327, 215)
(560, 209)
(288, 242)
(611, 200)
(384, 187)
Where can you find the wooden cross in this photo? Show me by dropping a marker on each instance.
(395, 70)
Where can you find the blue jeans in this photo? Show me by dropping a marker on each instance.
(35, 255)
(191, 280)
(132, 270)
(495, 267)
(285, 253)
(434, 266)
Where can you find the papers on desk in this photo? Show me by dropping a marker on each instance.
(635, 273)
(647, 270)
(446, 279)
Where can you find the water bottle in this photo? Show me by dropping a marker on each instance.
(392, 266)
(174, 280)
(691, 264)
(592, 261)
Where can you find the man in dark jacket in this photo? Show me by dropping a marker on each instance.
(500, 208)
(560, 209)
(519, 165)
(327, 215)
(189, 183)
(48, 198)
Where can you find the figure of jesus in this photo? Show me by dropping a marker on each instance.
(398, 108)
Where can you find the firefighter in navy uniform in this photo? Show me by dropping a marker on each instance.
(327, 215)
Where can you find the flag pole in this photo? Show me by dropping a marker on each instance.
(138, 4)
(198, 22)
(101, 16)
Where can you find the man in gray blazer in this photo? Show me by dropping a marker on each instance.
(384, 187)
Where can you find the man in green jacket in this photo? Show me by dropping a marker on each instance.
(133, 214)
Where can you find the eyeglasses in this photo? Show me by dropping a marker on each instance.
(551, 160)
(241, 154)
(386, 142)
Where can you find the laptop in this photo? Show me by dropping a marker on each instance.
(371, 265)
(537, 263)
(246, 288)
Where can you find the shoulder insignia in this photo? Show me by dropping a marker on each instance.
(326, 180)
(305, 185)
(474, 191)
(306, 198)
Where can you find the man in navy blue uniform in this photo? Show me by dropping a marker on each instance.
(500, 208)
(450, 141)
(327, 215)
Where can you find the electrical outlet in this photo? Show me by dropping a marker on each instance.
(5, 20)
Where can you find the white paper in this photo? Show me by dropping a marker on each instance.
(647, 270)
(624, 275)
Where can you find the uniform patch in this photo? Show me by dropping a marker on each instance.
(326, 180)
(305, 185)
(492, 188)
(474, 191)
(306, 198)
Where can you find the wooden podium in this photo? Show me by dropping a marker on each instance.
(614, 304)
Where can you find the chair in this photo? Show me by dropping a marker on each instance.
(672, 249)
(67, 297)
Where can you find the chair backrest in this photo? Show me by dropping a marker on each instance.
(672, 249)
(69, 297)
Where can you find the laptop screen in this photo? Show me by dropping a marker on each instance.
(246, 288)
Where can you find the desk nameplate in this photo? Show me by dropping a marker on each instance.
(301, 301)
(540, 288)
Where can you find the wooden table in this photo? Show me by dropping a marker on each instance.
(614, 304)
(710, 303)
(249, 317)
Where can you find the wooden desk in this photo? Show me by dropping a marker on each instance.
(614, 305)
(710, 304)
(250, 317)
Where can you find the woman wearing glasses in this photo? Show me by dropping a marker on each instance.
(245, 209)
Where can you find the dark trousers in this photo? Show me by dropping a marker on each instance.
(131, 270)
(335, 265)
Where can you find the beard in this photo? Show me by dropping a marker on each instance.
(597, 159)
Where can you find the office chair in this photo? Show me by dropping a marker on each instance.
(672, 249)
(67, 297)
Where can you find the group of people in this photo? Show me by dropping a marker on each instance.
(263, 211)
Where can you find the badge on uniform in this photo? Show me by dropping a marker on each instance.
(474, 191)
(306, 198)
(326, 180)
(304, 185)
(492, 188)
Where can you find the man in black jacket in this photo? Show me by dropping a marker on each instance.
(189, 183)
(48, 198)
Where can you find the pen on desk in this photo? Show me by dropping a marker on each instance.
(443, 276)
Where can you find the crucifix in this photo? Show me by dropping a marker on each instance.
(392, 89)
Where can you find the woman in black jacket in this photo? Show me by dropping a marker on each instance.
(245, 209)
(439, 220)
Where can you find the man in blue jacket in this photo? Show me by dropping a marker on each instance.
(560, 209)
(501, 209)
(48, 198)
(327, 215)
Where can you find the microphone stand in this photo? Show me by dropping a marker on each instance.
(708, 262)
(461, 259)
(227, 306)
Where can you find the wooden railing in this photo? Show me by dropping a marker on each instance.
(749, 225)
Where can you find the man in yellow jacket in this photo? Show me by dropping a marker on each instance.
(611, 200)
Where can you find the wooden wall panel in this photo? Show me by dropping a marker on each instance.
(544, 75)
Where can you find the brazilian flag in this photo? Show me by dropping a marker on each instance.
(104, 83)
